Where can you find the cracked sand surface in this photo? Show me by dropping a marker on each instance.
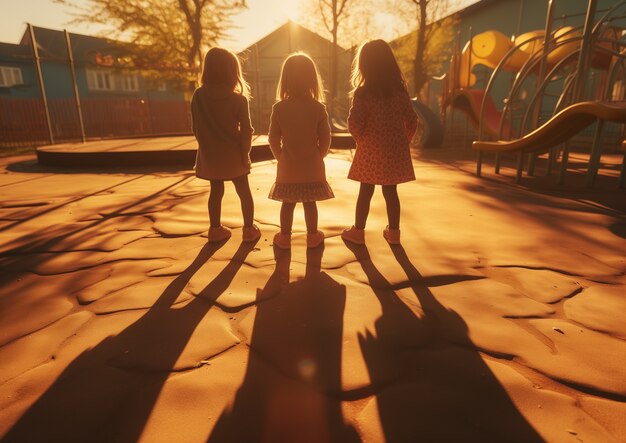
(499, 319)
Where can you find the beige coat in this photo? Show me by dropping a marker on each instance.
(299, 138)
(221, 124)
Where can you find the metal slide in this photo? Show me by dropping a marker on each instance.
(560, 128)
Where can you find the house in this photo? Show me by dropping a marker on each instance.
(262, 62)
(116, 98)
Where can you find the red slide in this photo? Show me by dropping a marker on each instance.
(470, 100)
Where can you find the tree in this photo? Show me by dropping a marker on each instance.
(332, 12)
(425, 46)
(168, 35)
(432, 42)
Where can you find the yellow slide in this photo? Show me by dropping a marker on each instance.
(489, 47)
(559, 128)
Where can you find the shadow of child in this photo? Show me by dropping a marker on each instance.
(108, 392)
(293, 379)
(442, 390)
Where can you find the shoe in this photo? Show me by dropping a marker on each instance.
(392, 236)
(354, 235)
(251, 233)
(283, 241)
(314, 239)
(218, 234)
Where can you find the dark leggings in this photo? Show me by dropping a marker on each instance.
(363, 205)
(286, 217)
(245, 196)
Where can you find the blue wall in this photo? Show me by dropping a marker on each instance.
(58, 84)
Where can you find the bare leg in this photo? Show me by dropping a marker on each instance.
(390, 192)
(363, 205)
(310, 216)
(215, 203)
(247, 203)
(286, 217)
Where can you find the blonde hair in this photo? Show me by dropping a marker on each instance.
(299, 77)
(376, 70)
(222, 67)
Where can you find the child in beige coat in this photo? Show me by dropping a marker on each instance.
(299, 137)
(221, 124)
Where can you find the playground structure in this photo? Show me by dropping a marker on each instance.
(550, 98)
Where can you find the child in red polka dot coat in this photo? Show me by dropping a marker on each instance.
(382, 122)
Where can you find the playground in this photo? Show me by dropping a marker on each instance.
(499, 317)
(562, 80)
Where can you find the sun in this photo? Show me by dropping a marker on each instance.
(291, 9)
(385, 24)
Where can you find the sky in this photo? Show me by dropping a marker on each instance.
(260, 19)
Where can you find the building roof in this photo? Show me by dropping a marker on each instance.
(469, 9)
(480, 4)
(288, 27)
(52, 46)
(11, 52)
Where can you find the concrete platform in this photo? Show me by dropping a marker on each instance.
(154, 151)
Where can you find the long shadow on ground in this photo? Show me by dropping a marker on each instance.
(106, 394)
(444, 391)
(291, 388)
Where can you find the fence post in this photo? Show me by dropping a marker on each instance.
(79, 110)
(42, 88)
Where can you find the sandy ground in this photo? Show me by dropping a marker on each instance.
(500, 318)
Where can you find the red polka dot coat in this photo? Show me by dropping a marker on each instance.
(382, 128)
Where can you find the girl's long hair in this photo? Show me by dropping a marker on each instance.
(222, 67)
(376, 70)
(299, 77)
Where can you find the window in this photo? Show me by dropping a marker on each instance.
(130, 83)
(10, 76)
(161, 86)
(99, 80)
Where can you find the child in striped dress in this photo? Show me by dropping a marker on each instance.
(299, 138)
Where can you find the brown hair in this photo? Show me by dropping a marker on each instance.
(222, 67)
(376, 70)
(299, 78)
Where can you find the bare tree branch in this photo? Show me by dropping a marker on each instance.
(163, 34)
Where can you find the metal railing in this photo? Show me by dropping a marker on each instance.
(23, 120)
(34, 121)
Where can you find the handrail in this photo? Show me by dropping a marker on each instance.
(611, 75)
(543, 85)
(566, 89)
(527, 69)
(501, 63)
(603, 19)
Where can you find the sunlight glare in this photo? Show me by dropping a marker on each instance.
(385, 23)
(291, 9)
